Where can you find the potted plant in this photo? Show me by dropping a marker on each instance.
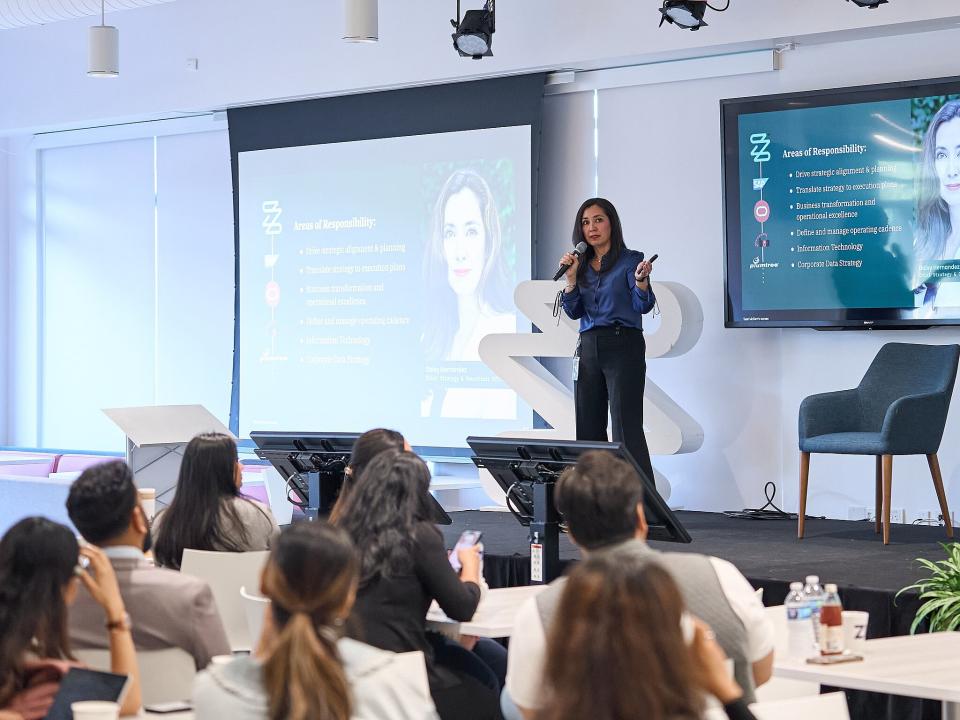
(939, 593)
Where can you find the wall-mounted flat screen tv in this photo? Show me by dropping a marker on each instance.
(842, 207)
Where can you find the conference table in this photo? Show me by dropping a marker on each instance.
(923, 666)
(495, 613)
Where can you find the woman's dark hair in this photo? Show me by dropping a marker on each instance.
(309, 578)
(617, 244)
(366, 448)
(495, 289)
(933, 214)
(381, 513)
(205, 489)
(37, 560)
(619, 649)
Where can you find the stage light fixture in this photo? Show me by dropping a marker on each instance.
(687, 14)
(360, 21)
(103, 51)
(872, 4)
(473, 34)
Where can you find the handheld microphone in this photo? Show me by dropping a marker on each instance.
(577, 253)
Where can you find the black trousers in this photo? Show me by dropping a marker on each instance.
(611, 373)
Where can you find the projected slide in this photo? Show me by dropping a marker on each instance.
(850, 206)
(369, 273)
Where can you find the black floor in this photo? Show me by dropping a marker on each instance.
(766, 551)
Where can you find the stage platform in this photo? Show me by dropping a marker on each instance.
(769, 554)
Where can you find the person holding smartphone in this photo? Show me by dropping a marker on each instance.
(403, 569)
(41, 570)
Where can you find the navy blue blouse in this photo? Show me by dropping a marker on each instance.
(611, 297)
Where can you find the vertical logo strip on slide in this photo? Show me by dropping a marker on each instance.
(273, 229)
(760, 152)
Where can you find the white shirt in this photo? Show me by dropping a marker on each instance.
(528, 643)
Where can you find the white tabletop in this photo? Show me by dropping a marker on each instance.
(495, 614)
(920, 666)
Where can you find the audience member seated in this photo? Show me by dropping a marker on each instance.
(167, 609)
(366, 448)
(601, 500)
(300, 669)
(40, 573)
(621, 651)
(403, 568)
(208, 512)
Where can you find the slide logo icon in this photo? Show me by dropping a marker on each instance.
(759, 152)
(273, 211)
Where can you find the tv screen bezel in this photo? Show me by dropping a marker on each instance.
(839, 319)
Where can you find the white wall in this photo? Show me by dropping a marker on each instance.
(21, 286)
(251, 51)
(4, 290)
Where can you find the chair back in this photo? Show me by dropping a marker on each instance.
(165, 675)
(226, 573)
(902, 369)
(832, 706)
(254, 606)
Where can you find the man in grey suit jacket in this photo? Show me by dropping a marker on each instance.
(166, 609)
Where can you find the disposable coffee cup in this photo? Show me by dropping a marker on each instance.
(855, 630)
(95, 710)
(148, 501)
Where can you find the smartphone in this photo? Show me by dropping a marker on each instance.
(468, 538)
(834, 659)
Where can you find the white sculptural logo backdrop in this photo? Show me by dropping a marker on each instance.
(670, 430)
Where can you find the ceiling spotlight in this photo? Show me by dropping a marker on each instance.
(872, 4)
(473, 35)
(103, 53)
(687, 14)
(360, 21)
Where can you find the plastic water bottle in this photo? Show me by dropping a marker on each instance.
(831, 623)
(813, 593)
(799, 627)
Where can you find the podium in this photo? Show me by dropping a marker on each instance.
(156, 438)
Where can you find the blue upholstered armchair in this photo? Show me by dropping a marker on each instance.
(899, 408)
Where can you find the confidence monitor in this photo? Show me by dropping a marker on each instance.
(313, 465)
(519, 464)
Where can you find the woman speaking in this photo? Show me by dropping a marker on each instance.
(608, 291)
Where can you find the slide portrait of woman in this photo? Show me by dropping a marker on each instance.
(937, 238)
(468, 290)
(466, 276)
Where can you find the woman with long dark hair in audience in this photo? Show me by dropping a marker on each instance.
(208, 511)
(366, 448)
(627, 649)
(403, 568)
(302, 669)
(40, 575)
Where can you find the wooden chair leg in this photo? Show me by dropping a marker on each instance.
(934, 464)
(887, 487)
(804, 476)
(878, 498)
